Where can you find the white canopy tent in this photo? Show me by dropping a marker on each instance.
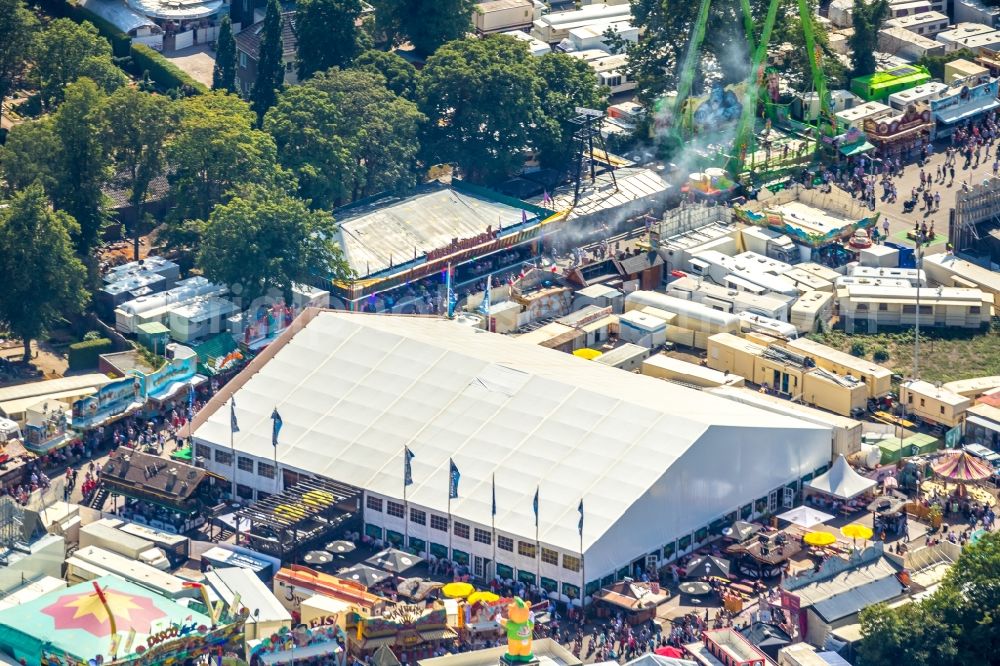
(841, 481)
(650, 460)
(805, 516)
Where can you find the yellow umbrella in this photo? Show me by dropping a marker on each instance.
(587, 353)
(855, 531)
(484, 596)
(819, 538)
(457, 590)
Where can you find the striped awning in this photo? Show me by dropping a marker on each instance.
(962, 467)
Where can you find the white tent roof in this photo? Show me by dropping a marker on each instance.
(841, 481)
(354, 389)
(805, 516)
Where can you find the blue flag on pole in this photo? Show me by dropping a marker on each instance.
(233, 425)
(275, 427)
(452, 298)
(190, 407)
(534, 505)
(407, 467)
(494, 494)
(580, 524)
(453, 477)
(484, 307)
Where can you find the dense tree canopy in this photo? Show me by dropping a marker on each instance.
(345, 135)
(26, 157)
(568, 83)
(385, 128)
(136, 126)
(482, 102)
(215, 148)
(81, 163)
(44, 279)
(958, 624)
(327, 34)
(400, 76)
(306, 125)
(60, 53)
(427, 24)
(17, 29)
(264, 239)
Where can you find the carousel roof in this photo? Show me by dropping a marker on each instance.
(962, 467)
(75, 622)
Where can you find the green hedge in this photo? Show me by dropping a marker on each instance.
(63, 9)
(163, 72)
(83, 355)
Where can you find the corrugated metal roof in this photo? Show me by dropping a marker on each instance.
(396, 231)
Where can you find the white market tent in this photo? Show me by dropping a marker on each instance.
(841, 481)
(805, 516)
(652, 461)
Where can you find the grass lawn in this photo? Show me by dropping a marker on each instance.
(945, 355)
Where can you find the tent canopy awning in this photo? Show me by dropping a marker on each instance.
(841, 481)
(805, 516)
(856, 149)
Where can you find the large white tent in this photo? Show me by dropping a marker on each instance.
(651, 460)
(841, 481)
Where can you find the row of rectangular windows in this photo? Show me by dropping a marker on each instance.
(243, 463)
(417, 516)
(462, 530)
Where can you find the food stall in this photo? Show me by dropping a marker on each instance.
(637, 601)
(411, 632)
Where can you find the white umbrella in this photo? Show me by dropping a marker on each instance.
(805, 516)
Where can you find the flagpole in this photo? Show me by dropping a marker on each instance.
(493, 524)
(583, 575)
(451, 527)
(538, 546)
(232, 453)
(406, 512)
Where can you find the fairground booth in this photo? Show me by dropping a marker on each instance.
(111, 621)
(411, 632)
(166, 495)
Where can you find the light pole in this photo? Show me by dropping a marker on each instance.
(919, 254)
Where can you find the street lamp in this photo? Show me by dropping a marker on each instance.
(919, 254)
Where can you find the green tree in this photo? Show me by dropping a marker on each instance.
(214, 149)
(935, 64)
(568, 83)
(50, 279)
(345, 136)
(327, 34)
(400, 76)
(224, 72)
(270, 66)
(384, 126)
(958, 624)
(427, 24)
(82, 163)
(27, 156)
(60, 52)
(104, 72)
(482, 102)
(17, 28)
(136, 128)
(307, 128)
(264, 239)
(867, 21)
